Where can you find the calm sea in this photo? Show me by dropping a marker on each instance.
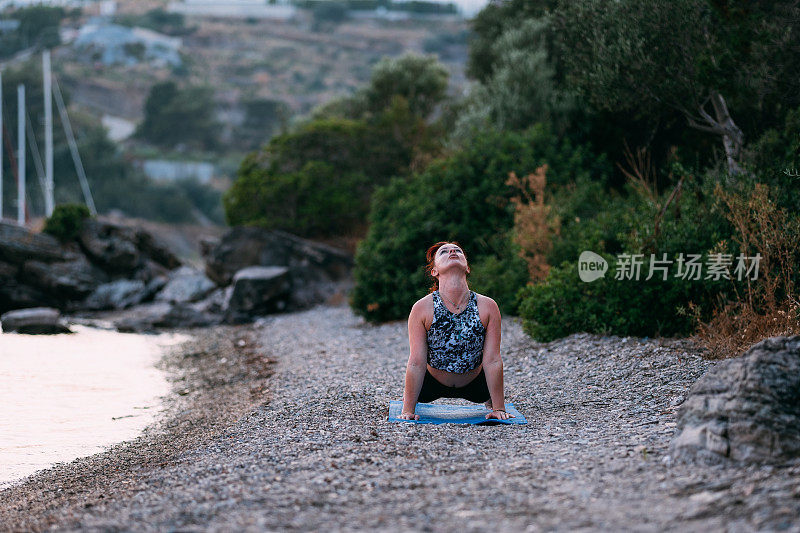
(68, 396)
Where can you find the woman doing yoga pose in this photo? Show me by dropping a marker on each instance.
(454, 338)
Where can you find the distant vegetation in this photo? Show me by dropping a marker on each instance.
(38, 27)
(174, 116)
(413, 6)
(317, 180)
(158, 20)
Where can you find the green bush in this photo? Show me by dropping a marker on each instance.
(66, 221)
(693, 224)
(318, 180)
(563, 304)
(463, 198)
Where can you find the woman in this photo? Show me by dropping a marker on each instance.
(454, 336)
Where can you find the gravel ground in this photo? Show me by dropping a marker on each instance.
(310, 447)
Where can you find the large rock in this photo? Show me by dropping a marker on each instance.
(8, 271)
(18, 245)
(16, 295)
(187, 316)
(744, 409)
(123, 249)
(244, 246)
(158, 252)
(116, 295)
(64, 280)
(37, 320)
(258, 291)
(185, 284)
(112, 247)
(149, 317)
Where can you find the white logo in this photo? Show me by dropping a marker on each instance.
(591, 266)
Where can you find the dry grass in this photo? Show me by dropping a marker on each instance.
(767, 306)
(534, 228)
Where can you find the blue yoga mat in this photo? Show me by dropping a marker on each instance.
(440, 413)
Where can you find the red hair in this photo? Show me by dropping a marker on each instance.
(430, 257)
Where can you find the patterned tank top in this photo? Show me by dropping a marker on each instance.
(455, 341)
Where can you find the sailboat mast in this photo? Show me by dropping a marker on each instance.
(48, 133)
(21, 154)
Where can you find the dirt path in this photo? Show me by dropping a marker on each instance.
(321, 455)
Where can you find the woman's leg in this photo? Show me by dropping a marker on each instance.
(476, 391)
(431, 389)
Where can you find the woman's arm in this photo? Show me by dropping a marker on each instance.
(493, 363)
(417, 361)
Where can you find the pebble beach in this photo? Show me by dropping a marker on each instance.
(282, 425)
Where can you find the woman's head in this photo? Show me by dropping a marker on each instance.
(438, 255)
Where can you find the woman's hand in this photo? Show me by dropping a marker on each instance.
(499, 415)
(408, 416)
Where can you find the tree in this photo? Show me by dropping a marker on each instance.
(643, 56)
(38, 26)
(521, 88)
(173, 116)
(421, 80)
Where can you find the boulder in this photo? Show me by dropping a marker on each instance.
(8, 271)
(18, 245)
(187, 316)
(258, 291)
(744, 409)
(158, 252)
(153, 286)
(117, 294)
(150, 270)
(245, 246)
(16, 295)
(185, 284)
(36, 320)
(149, 317)
(64, 280)
(217, 301)
(111, 247)
(142, 318)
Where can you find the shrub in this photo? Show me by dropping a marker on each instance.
(563, 304)
(690, 224)
(465, 198)
(769, 305)
(66, 221)
(318, 180)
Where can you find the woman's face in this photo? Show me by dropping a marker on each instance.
(448, 255)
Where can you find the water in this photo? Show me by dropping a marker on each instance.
(68, 396)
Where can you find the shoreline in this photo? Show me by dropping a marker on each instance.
(593, 456)
(215, 377)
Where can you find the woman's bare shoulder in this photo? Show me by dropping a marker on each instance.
(424, 302)
(423, 306)
(486, 302)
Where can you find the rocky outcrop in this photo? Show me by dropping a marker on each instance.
(244, 246)
(64, 280)
(118, 294)
(122, 249)
(18, 245)
(744, 409)
(258, 291)
(184, 285)
(110, 267)
(37, 320)
(315, 271)
(38, 270)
